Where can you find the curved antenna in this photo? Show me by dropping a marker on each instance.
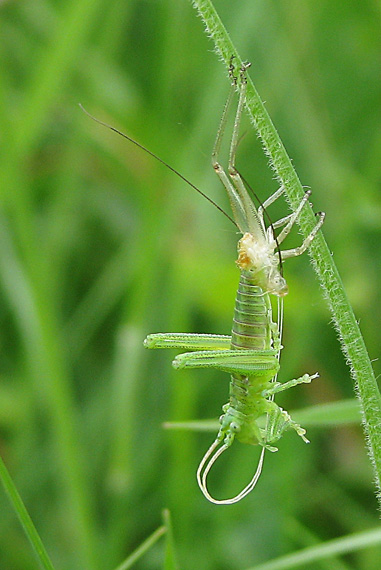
(215, 450)
(159, 160)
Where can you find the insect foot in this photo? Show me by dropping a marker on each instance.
(278, 422)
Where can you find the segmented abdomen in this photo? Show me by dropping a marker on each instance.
(252, 329)
(252, 316)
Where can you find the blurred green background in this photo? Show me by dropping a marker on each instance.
(100, 245)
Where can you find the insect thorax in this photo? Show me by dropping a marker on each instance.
(257, 257)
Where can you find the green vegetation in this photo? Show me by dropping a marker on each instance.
(100, 245)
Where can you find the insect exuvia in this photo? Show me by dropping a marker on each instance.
(251, 354)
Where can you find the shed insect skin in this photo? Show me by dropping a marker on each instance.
(251, 354)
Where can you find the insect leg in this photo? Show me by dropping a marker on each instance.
(188, 341)
(302, 248)
(234, 198)
(282, 221)
(292, 218)
(245, 362)
(278, 421)
(253, 223)
(280, 386)
(270, 200)
(288, 222)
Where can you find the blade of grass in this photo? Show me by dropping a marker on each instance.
(349, 333)
(302, 535)
(331, 414)
(322, 415)
(24, 518)
(170, 555)
(142, 549)
(343, 545)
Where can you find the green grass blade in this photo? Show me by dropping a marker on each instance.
(302, 536)
(323, 415)
(170, 555)
(142, 549)
(23, 515)
(343, 545)
(345, 322)
(330, 415)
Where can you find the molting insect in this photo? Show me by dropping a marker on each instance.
(251, 354)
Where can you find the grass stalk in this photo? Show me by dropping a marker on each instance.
(25, 520)
(330, 548)
(142, 549)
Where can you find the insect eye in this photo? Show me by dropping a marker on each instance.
(235, 427)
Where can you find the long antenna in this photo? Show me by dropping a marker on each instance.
(162, 162)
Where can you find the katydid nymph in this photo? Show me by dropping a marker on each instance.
(251, 353)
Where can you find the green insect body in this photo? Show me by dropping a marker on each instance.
(251, 354)
(252, 330)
